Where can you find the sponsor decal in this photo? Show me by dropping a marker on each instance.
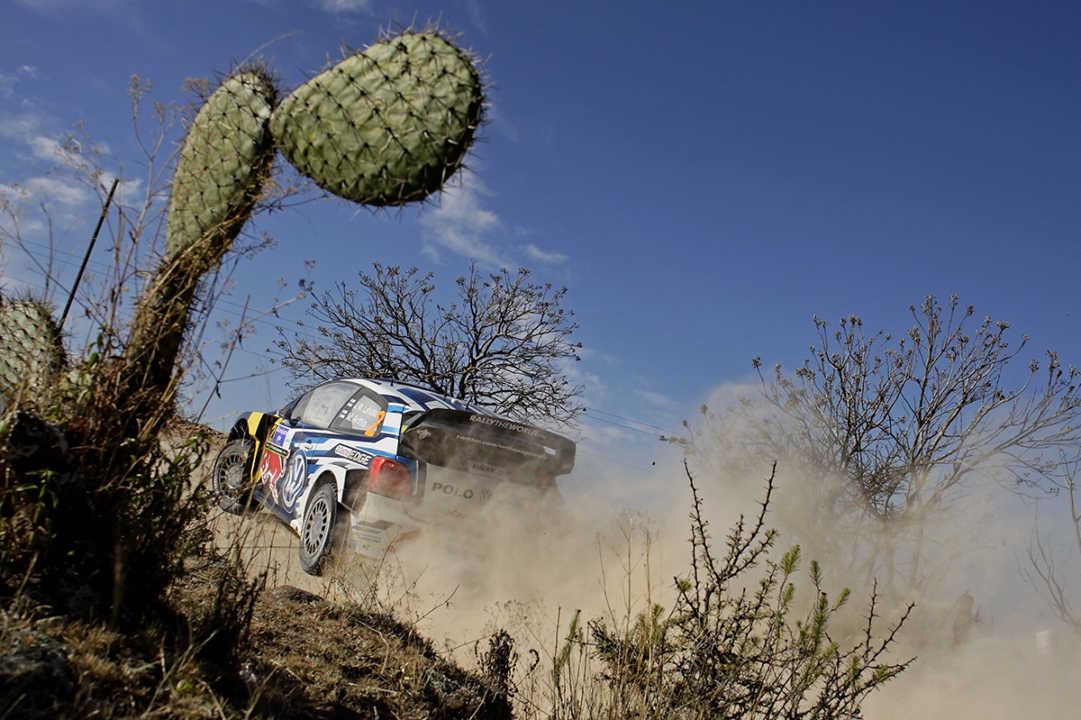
(484, 468)
(292, 487)
(465, 493)
(280, 436)
(503, 424)
(270, 470)
(352, 454)
(488, 443)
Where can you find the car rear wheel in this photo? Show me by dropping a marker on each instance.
(317, 528)
(229, 478)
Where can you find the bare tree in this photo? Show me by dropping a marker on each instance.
(1042, 572)
(897, 428)
(907, 424)
(502, 345)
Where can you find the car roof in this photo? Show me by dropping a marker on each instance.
(416, 397)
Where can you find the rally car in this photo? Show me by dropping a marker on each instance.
(366, 464)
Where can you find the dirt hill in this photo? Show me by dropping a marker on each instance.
(236, 642)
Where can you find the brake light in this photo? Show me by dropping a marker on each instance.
(389, 478)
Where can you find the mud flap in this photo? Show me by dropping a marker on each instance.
(373, 540)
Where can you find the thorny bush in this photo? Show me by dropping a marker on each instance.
(729, 648)
(96, 529)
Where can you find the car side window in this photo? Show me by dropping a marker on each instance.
(363, 414)
(321, 405)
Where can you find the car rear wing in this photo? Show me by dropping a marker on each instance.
(455, 438)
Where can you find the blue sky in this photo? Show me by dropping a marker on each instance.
(704, 178)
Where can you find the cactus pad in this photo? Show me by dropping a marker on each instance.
(31, 348)
(386, 126)
(225, 158)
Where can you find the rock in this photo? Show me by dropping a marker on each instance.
(288, 593)
(36, 679)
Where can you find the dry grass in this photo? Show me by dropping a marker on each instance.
(303, 658)
(345, 658)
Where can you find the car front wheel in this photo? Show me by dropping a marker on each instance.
(317, 529)
(229, 477)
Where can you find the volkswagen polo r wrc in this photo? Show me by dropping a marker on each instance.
(368, 463)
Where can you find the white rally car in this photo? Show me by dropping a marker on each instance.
(370, 463)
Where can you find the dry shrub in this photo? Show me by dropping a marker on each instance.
(100, 523)
(735, 644)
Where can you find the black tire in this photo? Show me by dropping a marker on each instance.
(229, 478)
(317, 532)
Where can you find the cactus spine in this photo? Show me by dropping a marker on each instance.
(31, 348)
(386, 126)
(222, 166)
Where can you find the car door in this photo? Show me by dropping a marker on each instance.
(283, 467)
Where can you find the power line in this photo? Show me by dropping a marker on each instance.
(617, 416)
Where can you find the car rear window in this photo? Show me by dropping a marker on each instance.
(319, 406)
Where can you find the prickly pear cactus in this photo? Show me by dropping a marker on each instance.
(31, 348)
(223, 163)
(225, 159)
(383, 127)
(386, 126)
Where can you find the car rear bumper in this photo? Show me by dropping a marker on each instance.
(379, 525)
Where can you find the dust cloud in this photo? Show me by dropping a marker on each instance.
(987, 647)
(986, 644)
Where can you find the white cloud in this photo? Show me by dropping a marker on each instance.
(48, 149)
(535, 253)
(345, 6)
(463, 225)
(460, 223)
(68, 153)
(604, 435)
(44, 190)
(127, 192)
(13, 193)
(19, 126)
(431, 252)
(64, 190)
(67, 193)
(8, 82)
(460, 205)
(658, 399)
(470, 246)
